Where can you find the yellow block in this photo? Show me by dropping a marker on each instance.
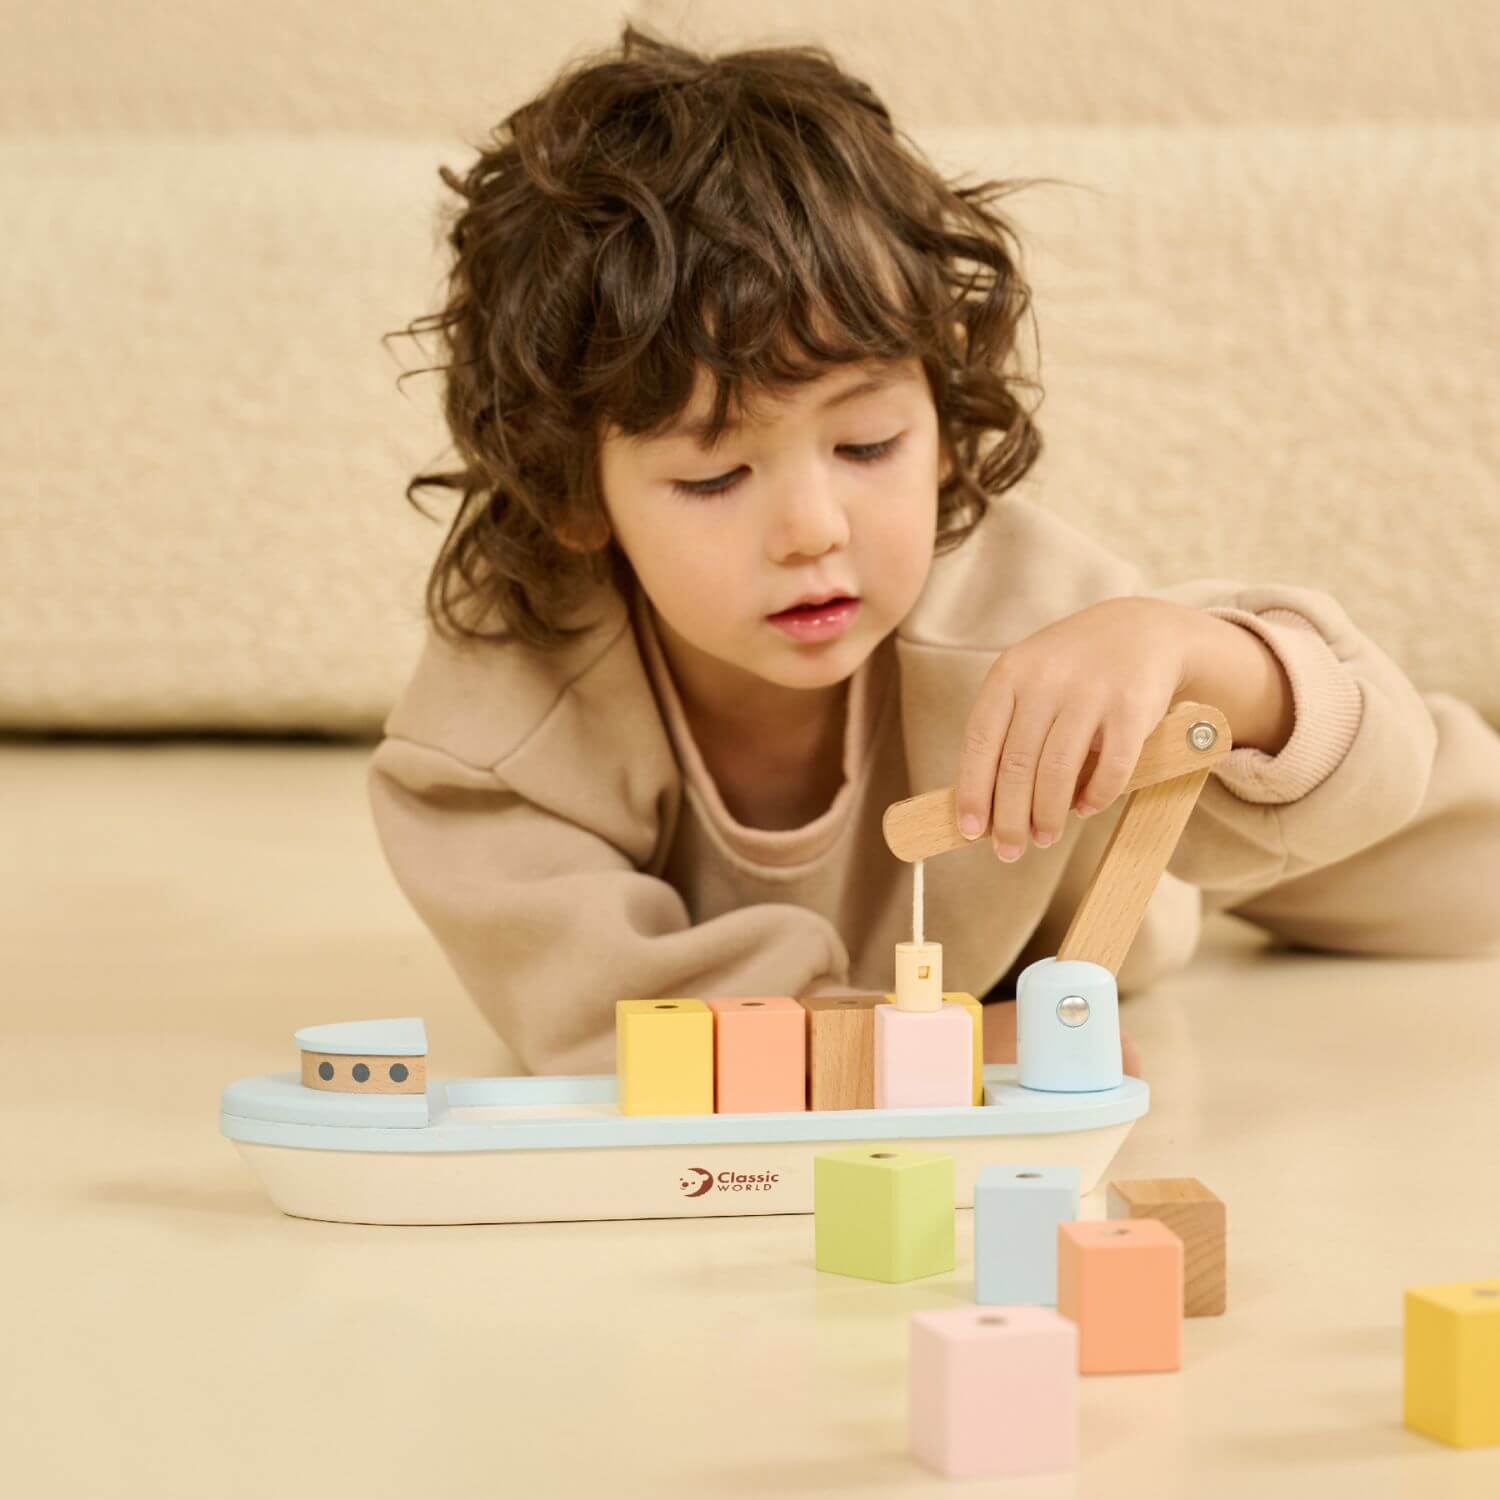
(664, 1057)
(959, 997)
(976, 1010)
(1452, 1348)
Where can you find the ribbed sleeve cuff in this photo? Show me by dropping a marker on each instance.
(1327, 708)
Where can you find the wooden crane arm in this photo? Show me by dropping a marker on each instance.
(1169, 774)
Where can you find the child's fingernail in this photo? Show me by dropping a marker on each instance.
(1084, 810)
(968, 825)
(1007, 852)
(1043, 839)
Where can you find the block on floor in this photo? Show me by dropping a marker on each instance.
(1451, 1355)
(992, 1390)
(883, 1213)
(1121, 1282)
(1016, 1213)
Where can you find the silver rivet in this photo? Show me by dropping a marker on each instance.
(1073, 1010)
(1202, 735)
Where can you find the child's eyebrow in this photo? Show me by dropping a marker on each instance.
(696, 428)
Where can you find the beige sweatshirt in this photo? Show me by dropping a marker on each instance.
(550, 819)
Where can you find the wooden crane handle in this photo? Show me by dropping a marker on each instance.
(1169, 774)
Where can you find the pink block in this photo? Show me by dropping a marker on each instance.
(992, 1390)
(923, 1057)
(760, 1054)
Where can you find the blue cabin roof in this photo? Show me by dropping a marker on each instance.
(402, 1037)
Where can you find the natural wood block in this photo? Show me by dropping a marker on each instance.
(841, 1051)
(346, 1073)
(664, 1057)
(1121, 1282)
(760, 1054)
(1451, 1350)
(1197, 1217)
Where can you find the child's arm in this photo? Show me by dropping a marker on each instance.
(1431, 887)
(1376, 827)
(548, 924)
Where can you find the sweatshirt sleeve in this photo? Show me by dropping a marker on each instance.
(547, 923)
(1376, 827)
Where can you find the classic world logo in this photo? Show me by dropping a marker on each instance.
(697, 1181)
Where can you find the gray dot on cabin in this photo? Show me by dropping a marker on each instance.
(398, 1072)
(325, 1071)
(361, 1072)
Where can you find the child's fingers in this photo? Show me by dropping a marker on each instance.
(974, 785)
(1090, 763)
(1063, 753)
(1015, 787)
(1121, 738)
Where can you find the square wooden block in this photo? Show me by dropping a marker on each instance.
(924, 1058)
(664, 1057)
(992, 1390)
(1451, 1339)
(1016, 1213)
(841, 1051)
(760, 1054)
(1121, 1282)
(976, 1013)
(883, 1212)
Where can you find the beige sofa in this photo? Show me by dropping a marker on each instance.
(1268, 334)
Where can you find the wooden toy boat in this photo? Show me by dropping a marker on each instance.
(510, 1150)
(362, 1136)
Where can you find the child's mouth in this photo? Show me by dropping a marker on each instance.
(808, 611)
(817, 622)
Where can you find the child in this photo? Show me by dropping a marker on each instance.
(721, 343)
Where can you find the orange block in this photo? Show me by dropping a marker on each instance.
(1120, 1281)
(760, 1054)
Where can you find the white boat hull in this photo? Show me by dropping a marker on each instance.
(643, 1182)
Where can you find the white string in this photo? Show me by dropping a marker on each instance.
(916, 903)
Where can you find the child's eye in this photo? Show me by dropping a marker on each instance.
(862, 453)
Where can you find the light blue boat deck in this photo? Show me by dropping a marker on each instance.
(560, 1112)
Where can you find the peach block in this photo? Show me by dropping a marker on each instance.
(1120, 1280)
(760, 1054)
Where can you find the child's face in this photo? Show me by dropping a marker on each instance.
(797, 513)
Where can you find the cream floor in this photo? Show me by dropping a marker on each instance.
(174, 911)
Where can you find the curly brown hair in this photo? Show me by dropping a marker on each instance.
(653, 212)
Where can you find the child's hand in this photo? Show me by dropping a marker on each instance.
(1094, 684)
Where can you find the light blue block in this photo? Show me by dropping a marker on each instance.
(1016, 1213)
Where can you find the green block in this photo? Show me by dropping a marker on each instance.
(883, 1214)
